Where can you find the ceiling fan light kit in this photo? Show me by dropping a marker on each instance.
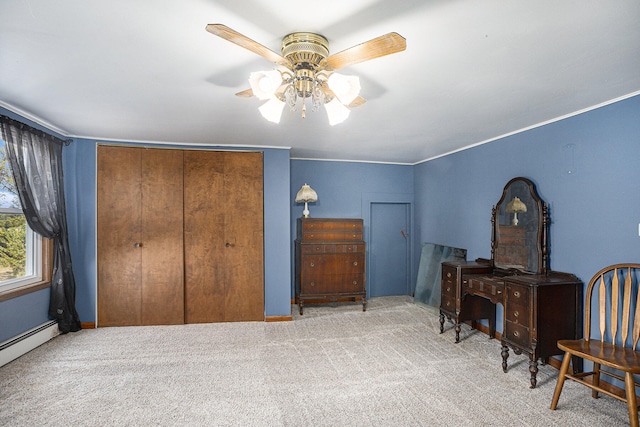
(309, 72)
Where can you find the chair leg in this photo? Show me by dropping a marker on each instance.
(631, 399)
(561, 377)
(595, 380)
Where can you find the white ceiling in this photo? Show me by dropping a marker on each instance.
(474, 70)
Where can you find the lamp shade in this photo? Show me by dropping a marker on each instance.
(306, 194)
(516, 205)
(265, 83)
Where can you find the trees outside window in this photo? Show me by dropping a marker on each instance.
(14, 232)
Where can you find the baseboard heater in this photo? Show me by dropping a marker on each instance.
(24, 343)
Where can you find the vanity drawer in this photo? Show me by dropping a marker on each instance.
(491, 289)
(448, 289)
(449, 275)
(448, 304)
(517, 333)
(517, 313)
(516, 294)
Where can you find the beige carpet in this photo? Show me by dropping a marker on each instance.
(334, 366)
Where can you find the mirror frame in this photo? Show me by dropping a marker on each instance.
(540, 243)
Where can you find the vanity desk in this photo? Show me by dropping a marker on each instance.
(541, 306)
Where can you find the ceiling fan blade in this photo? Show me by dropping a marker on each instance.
(233, 36)
(357, 102)
(380, 46)
(247, 93)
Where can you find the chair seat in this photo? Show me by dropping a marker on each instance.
(617, 357)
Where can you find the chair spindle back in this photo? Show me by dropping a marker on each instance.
(618, 286)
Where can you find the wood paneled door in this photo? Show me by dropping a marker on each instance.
(180, 236)
(223, 205)
(140, 243)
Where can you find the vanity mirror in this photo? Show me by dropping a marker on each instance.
(519, 238)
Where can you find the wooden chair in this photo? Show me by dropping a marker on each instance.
(619, 331)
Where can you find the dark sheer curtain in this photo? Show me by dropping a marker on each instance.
(36, 162)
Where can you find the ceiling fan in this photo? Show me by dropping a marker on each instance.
(306, 70)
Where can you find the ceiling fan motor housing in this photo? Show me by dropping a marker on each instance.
(306, 53)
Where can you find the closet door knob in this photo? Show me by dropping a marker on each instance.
(137, 245)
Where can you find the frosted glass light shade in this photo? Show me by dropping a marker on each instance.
(272, 110)
(265, 83)
(336, 112)
(346, 88)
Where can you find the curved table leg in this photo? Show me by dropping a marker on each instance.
(457, 332)
(441, 322)
(533, 368)
(505, 356)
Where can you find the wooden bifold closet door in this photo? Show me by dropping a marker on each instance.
(180, 236)
(223, 237)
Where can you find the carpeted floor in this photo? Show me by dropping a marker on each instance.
(334, 366)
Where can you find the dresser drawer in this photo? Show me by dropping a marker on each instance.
(349, 249)
(332, 284)
(322, 248)
(517, 333)
(314, 225)
(316, 249)
(332, 235)
(315, 285)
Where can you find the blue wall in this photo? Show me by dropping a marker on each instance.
(594, 210)
(80, 182)
(347, 189)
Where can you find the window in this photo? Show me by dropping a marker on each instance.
(24, 255)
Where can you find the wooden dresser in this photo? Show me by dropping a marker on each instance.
(330, 261)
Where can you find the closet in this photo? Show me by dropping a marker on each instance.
(180, 236)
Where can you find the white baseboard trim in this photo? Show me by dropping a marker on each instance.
(24, 343)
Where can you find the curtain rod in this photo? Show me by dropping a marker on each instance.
(7, 119)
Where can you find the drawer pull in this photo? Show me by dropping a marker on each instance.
(449, 275)
(516, 334)
(516, 294)
(448, 289)
(312, 264)
(312, 283)
(499, 291)
(355, 282)
(448, 303)
(516, 313)
(355, 262)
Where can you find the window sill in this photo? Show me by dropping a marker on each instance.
(24, 290)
